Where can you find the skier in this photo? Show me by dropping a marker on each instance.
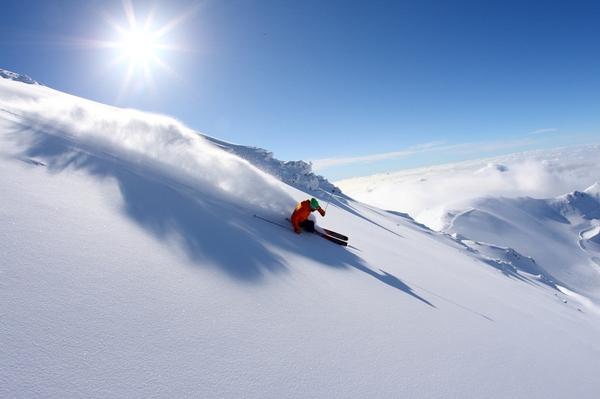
(302, 212)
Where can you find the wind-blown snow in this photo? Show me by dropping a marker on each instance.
(149, 141)
(131, 266)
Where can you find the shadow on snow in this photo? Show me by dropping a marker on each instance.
(210, 229)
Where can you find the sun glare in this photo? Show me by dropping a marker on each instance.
(139, 47)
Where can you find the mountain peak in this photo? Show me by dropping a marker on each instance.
(585, 203)
(17, 77)
(594, 190)
(298, 174)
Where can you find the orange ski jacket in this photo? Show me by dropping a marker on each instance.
(301, 213)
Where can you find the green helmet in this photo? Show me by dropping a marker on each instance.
(314, 204)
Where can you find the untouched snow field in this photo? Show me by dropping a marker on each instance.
(131, 266)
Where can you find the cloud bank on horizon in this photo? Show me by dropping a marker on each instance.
(337, 167)
(428, 193)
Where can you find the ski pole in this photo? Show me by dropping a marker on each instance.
(330, 197)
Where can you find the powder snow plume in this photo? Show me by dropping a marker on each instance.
(140, 138)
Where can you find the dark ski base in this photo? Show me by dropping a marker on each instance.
(335, 234)
(329, 237)
(329, 233)
(332, 239)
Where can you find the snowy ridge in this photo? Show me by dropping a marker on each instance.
(594, 191)
(559, 234)
(580, 203)
(507, 260)
(132, 266)
(297, 174)
(17, 77)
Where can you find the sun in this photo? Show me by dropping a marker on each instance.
(139, 47)
(139, 43)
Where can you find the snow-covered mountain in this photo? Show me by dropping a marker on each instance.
(484, 205)
(17, 77)
(559, 234)
(131, 265)
(297, 174)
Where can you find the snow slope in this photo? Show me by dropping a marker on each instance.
(558, 234)
(489, 205)
(131, 266)
(17, 77)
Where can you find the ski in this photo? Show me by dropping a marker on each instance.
(323, 235)
(332, 239)
(328, 232)
(335, 234)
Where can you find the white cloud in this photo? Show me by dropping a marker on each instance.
(329, 162)
(427, 193)
(438, 146)
(547, 130)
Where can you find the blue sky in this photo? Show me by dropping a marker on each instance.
(357, 87)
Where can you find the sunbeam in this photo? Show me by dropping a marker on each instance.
(141, 45)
